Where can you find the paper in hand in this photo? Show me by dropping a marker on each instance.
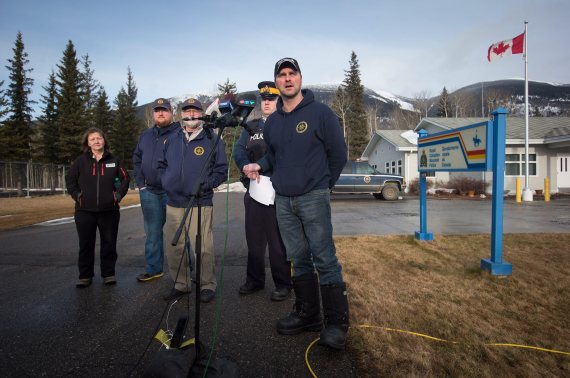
(262, 191)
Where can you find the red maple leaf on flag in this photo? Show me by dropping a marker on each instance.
(501, 48)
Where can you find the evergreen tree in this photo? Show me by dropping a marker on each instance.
(227, 89)
(3, 104)
(70, 106)
(355, 116)
(444, 104)
(47, 150)
(89, 91)
(17, 130)
(102, 114)
(126, 126)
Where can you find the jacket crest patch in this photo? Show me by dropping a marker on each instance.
(199, 151)
(301, 127)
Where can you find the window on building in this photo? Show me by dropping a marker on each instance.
(393, 167)
(515, 164)
(387, 167)
(400, 167)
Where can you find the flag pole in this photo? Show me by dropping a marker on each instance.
(527, 191)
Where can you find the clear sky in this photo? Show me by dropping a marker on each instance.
(179, 47)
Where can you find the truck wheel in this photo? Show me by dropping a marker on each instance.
(390, 192)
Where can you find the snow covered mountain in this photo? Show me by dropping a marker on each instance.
(397, 112)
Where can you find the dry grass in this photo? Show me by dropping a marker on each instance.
(437, 288)
(18, 212)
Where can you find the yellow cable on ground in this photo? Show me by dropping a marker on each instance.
(434, 339)
(307, 357)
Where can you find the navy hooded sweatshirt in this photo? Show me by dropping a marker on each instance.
(145, 157)
(306, 147)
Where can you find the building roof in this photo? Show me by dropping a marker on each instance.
(538, 127)
(395, 137)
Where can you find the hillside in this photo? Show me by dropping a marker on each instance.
(397, 112)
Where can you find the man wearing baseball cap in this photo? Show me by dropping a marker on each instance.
(152, 195)
(306, 149)
(261, 230)
(183, 157)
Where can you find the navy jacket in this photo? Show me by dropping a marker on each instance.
(306, 147)
(145, 157)
(180, 165)
(97, 185)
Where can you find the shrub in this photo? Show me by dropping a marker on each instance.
(466, 184)
(414, 186)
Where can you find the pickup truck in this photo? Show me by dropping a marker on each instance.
(360, 177)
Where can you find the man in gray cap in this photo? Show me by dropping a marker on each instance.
(306, 149)
(183, 157)
(152, 195)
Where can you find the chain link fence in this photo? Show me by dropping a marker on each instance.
(18, 179)
(29, 178)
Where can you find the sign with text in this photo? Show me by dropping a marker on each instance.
(462, 149)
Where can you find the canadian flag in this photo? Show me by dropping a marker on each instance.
(509, 46)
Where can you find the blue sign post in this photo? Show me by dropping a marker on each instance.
(423, 234)
(495, 264)
(477, 147)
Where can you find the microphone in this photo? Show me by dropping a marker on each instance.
(195, 118)
(206, 118)
(245, 105)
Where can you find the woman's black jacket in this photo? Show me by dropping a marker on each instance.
(97, 185)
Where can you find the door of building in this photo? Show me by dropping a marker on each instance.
(563, 176)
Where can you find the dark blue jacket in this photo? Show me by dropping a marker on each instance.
(145, 157)
(180, 165)
(306, 147)
(251, 148)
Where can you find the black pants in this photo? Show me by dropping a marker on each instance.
(261, 230)
(87, 223)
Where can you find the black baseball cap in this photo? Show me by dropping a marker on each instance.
(161, 103)
(286, 62)
(191, 103)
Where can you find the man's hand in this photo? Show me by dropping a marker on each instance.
(252, 171)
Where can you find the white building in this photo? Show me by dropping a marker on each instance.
(395, 151)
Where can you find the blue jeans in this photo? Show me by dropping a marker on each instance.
(306, 229)
(154, 214)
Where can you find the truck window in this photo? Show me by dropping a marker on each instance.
(364, 169)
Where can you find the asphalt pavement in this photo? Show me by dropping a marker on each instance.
(51, 329)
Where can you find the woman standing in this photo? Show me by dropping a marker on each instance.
(97, 181)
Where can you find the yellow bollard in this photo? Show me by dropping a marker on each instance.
(546, 189)
(518, 190)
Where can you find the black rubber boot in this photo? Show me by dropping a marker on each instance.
(335, 309)
(306, 314)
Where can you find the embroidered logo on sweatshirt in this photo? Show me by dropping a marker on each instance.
(199, 151)
(302, 127)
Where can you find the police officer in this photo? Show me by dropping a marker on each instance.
(261, 228)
